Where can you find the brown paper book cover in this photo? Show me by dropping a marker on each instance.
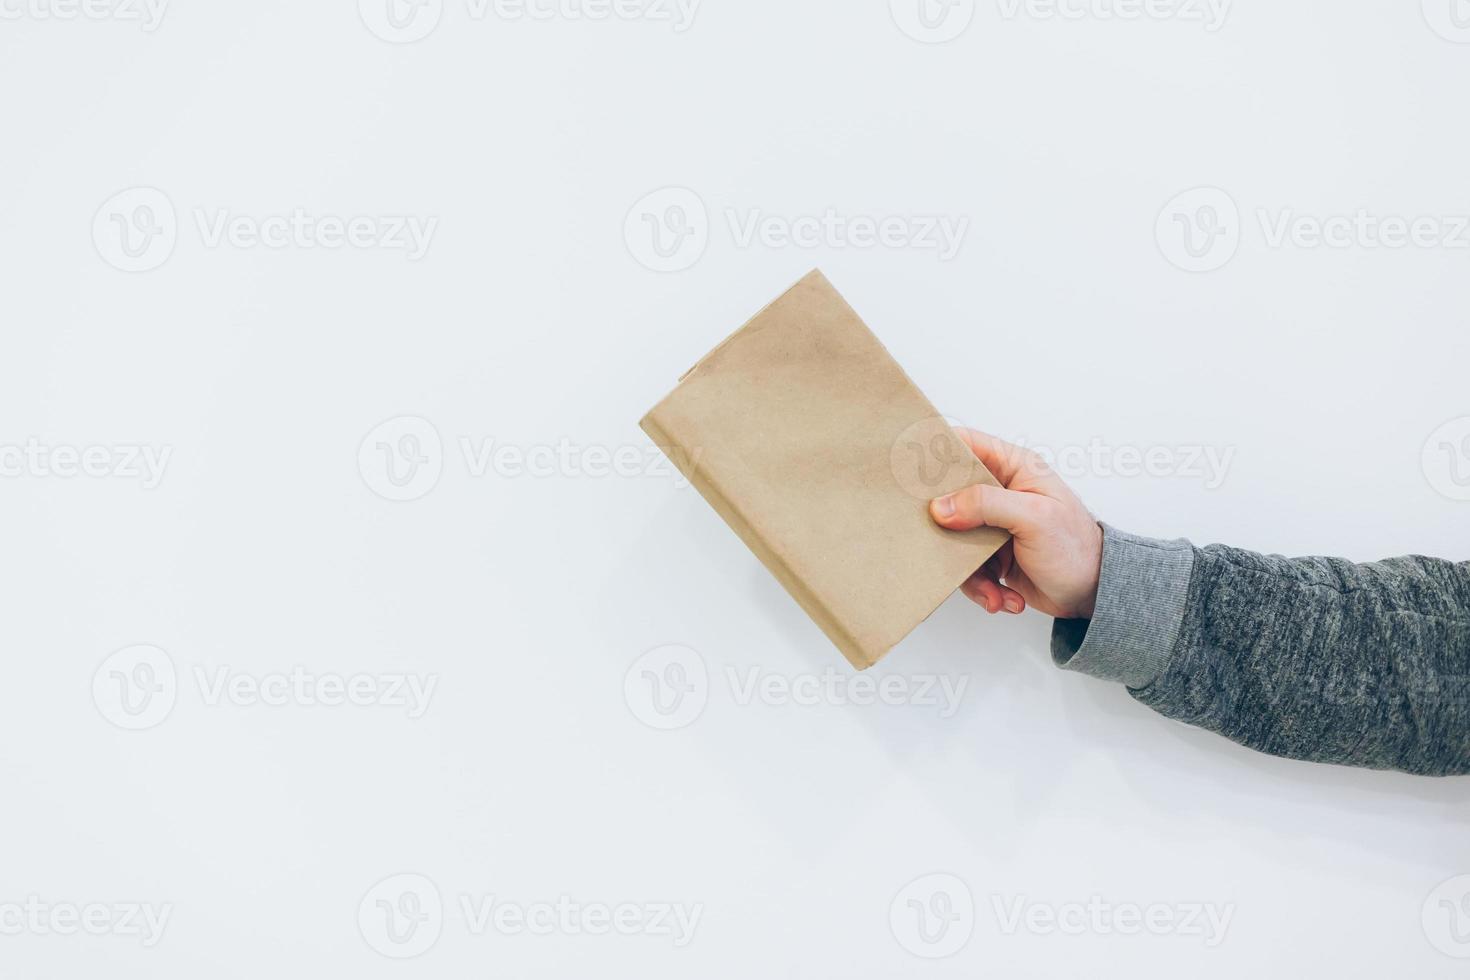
(810, 441)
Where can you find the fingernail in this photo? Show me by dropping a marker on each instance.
(944, 506)
(1013, 606)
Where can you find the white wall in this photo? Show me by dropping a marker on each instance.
(530, 321)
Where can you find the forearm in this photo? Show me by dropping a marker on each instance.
(1317, 659)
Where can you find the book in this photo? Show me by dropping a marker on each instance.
(811, 442)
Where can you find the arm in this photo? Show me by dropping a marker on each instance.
(1314, 658)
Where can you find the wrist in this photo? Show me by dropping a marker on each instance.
(1092, 561)
(1142, 588)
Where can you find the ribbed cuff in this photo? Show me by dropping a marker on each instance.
(1141, 596)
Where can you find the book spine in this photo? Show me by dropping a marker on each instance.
(687, 462)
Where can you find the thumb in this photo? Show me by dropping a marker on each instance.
(984, 505)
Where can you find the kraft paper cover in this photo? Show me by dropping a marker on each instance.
(816, 448)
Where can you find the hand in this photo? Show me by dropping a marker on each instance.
(1054, 556)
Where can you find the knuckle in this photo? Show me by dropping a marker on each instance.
(1034, 464)
(970, 502)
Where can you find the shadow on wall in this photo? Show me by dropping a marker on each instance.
(1021, 727)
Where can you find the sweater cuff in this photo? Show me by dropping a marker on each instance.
(1141, 596)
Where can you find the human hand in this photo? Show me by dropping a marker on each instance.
(1054, 556)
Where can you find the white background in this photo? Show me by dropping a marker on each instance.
(530, 321)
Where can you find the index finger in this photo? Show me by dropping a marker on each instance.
(1010, 463)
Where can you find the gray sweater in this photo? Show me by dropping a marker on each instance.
(1309, 658)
